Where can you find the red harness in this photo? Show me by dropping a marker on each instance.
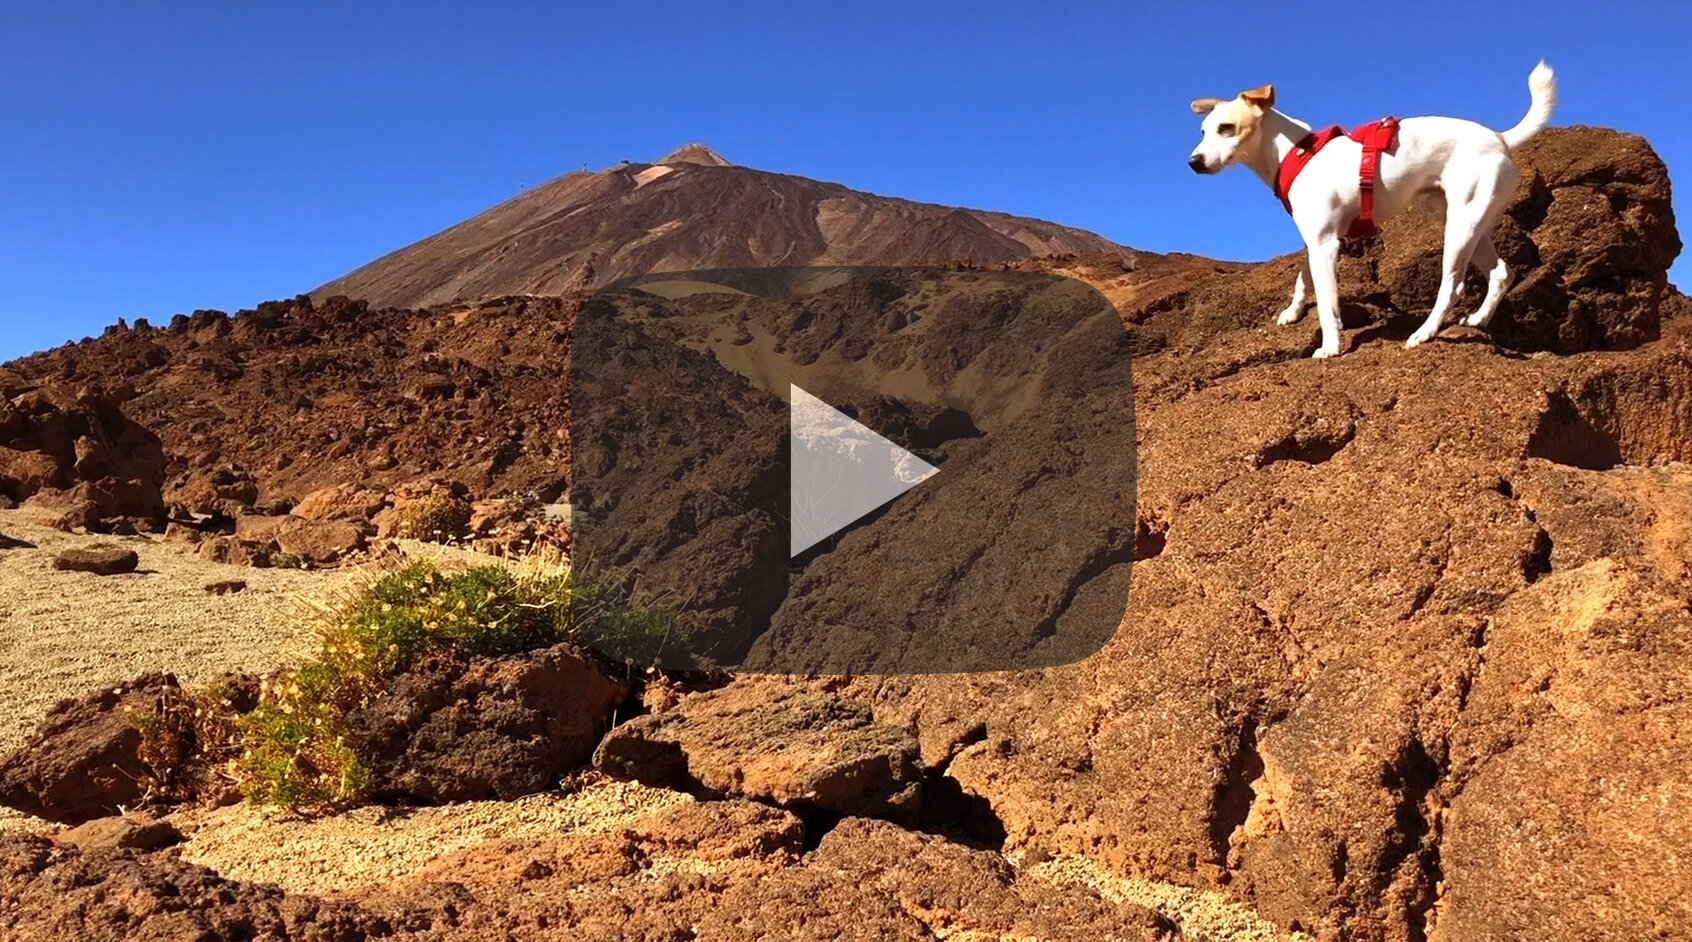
(1376, 136)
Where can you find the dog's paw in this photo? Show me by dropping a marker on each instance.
(1418, 338)
(1289, 316)
(1476, 319)
(1323, 353)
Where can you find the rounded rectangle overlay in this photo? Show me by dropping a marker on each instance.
(846, 470)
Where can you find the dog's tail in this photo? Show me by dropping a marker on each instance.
(1543, 84)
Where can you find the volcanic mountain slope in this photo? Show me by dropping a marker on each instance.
(689, 209)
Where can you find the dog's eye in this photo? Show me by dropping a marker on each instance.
(1226, 130)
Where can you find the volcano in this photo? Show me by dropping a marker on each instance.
(690, 209)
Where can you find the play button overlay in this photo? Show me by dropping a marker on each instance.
(843, 470)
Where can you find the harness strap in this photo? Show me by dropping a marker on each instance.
(1306, 148)
(1376, 136)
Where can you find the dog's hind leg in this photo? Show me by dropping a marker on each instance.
(1463, 230)
(1486, 254)
(1301, 289)
(1497, 281)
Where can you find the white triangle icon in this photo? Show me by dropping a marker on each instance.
(841, 470)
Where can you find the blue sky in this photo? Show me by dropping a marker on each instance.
(190, 155)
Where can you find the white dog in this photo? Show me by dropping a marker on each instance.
(1460, 166)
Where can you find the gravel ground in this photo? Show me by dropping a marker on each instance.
(362, 849)
(1206, 916)
(65, 633)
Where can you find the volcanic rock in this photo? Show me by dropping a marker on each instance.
(799, 751)
(84, 761)
(122, 831)
(102, 559)
(1354, 727)
(60, 891)
(323, 542)
(1358, 728)
(339, 502)
(219, 491)
(238, 552)
(74, 457)
(734, 870)
(317, 542)
(455, 730)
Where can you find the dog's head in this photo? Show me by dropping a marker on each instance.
(1229, 128)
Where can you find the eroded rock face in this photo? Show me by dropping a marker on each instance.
(1566, 819)
(1388, 623)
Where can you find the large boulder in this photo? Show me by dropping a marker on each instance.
(340, 502)
(790, 748)
(85, 761)
(451, 729)
(219, 491)
(1589, 237)
(316, 542)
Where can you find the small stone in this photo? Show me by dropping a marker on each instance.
(123, 832)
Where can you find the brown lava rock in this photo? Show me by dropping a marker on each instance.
(102, 560)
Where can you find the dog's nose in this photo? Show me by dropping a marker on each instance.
(1196, 162)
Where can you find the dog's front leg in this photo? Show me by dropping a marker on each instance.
(1301, 288)
(1323, 265)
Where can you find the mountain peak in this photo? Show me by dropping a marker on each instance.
(694, 153)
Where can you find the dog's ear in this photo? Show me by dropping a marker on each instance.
(1262, 96)
(1205, 105)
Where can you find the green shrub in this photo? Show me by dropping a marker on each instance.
(292, 748)
(625, 625)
